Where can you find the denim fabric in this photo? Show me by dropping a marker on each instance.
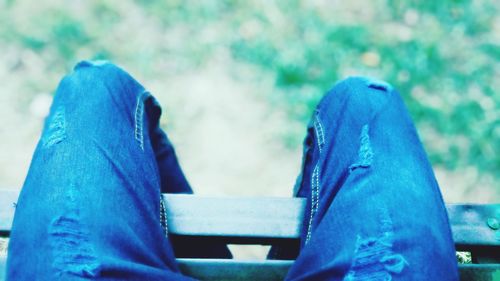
(374, 209)
(90, 207)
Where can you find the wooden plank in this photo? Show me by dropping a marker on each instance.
(276, 218)
(240, 270)
(234, 217)
(469, 223)
(261, 218)
(8, 198)
(206, 216)
(3, 260)
(479, 272)
(211, 216)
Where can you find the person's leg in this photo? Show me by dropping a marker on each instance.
(374, 209)
(90, 206)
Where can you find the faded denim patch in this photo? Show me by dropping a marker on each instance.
(365, 153)
(71, 247)
(70, 241)
(374, 258)
(55, 128)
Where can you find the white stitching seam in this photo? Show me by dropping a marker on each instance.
(163, 216)
(320, 134)
(314, 199)
(320, 138)
(139, 112)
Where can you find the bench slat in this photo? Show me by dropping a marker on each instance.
(234, 217)
(237, 270)
(469, 224)
(8, 198)
(275, 217)
(240, 270)
(260, 220)
(219, 269)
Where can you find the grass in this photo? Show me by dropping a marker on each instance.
(443, 56)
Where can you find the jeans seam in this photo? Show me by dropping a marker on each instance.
(320, 134)
(314, 199)
(139, 120)
(163, 216)
(320, 139)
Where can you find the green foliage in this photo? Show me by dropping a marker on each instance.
(443, 56)
(464, 257)
(442, 60)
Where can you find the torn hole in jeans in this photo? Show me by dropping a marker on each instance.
(365, 152)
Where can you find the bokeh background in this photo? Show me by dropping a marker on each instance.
(238, 79)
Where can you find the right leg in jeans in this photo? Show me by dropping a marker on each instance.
(374, 209)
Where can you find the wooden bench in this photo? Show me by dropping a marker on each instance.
(269, 221)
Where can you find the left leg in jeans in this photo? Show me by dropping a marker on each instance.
(374, 209)
(90, 206)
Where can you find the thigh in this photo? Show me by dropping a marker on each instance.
(90, 205)
(374, 208)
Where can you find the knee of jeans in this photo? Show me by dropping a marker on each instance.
(101, 82)
(359, 95)
(98, 70)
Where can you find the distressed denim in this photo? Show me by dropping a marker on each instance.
(374, 209)
(90, 207)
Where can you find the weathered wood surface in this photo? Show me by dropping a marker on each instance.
(267, 220)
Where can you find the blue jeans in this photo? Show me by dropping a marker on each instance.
(90, 207)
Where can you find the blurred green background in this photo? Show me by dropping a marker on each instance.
(238, 79)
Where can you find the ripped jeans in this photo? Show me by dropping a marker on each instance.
(90, 207)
